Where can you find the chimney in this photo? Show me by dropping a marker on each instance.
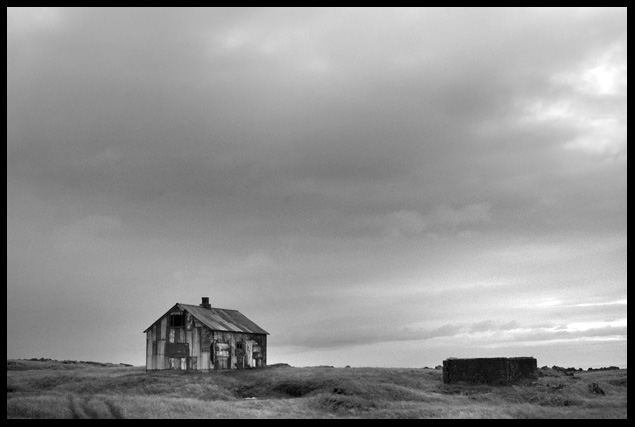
(205, 303)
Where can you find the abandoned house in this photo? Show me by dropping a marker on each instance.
(203, 338)
(490, 370)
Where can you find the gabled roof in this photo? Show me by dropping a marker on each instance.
(219, 319)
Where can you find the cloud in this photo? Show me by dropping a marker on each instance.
(393, 224)
(486, 333)
(416, 164)
(470, 214)
(404, 223)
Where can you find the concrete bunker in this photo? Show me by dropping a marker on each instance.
(489, 370)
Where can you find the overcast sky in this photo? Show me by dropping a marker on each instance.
(373, 187)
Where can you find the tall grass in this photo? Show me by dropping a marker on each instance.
(113, 392)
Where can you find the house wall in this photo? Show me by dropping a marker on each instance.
(237, 350)
(194, 346)
(495, 370)
(156, 344)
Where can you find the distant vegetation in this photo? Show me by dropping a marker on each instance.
(43, 388)
(16, 365)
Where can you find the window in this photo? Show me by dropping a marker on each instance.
(177, 320)
(154, 348)
(239, 346)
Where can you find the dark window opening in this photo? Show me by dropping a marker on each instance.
(154, 348)
(239, 346)
(177, 320)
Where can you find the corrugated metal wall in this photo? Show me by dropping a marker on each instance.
(195, 347)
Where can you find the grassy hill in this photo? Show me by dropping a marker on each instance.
(51, 389)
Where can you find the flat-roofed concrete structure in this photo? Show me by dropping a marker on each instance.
(489, 370)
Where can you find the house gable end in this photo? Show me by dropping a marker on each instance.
(177, 305)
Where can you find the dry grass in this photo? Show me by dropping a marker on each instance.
(124, 392)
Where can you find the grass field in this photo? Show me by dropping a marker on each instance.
(50, 389)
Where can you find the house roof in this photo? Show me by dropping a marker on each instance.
(219, 319)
